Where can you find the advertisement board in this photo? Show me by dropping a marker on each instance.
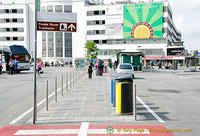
(114, 22)
(143, 20)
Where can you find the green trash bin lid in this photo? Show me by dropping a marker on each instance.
(124, 77)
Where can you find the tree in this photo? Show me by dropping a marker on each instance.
(91, 48)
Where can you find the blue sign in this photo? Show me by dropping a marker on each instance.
(198, 54)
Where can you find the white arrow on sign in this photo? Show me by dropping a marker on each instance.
(71, 26)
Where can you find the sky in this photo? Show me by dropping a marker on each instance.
(186, 16)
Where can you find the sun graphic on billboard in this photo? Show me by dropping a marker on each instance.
(143, 20)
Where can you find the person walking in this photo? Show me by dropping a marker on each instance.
(1, 66)
(160, 65)
(11, 67)
(38, 68)
(90, 70)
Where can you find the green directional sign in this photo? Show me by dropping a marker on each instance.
(38, 5)
(143, 20)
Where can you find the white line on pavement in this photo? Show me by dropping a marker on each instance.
(47, 132)
(83, 129)
(152, 112)
(76, 131)
(31, 109)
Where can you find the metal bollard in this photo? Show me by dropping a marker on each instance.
(46, 88)
(62, 85)
(55, 89)
(67, 82)
(135, 111)
(73, 78)
(70, 80)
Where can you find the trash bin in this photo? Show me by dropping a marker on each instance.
(124, 94)
(113, 88)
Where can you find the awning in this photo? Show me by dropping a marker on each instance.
(165, 58)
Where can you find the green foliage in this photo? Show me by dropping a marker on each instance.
(91, 47)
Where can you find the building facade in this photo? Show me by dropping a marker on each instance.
(147, 27)
(14, 25)
(123, 25)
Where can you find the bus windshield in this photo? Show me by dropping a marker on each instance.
(22, 58)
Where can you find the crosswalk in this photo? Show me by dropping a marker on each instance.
(85, 130)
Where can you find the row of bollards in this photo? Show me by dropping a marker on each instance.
(70, 79)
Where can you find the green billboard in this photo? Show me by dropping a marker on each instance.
(143, 20)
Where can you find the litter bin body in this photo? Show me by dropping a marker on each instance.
(113, 88)
(124, 94)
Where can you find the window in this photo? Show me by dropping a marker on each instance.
(97, 31)
(14, 20)
(43, 9)
(68, 44)
(14, 10)
(8, 38)
(7, 20)
(49, 8)
(7, 29)
(7, 10)
(19, 10)
(58, 8)
(59, 44)
(15, 38)
(103, 21)
(43, 44)
(15, 29)
(96, 12)
(96, 41)
(50, 44)
(104, 41)
(68, 8)
(97, 22)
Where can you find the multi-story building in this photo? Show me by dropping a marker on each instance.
(14, 25)
(124, 25)
(120, 25)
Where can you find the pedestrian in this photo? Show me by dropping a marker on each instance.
(151, 63)
(90, 70)
(15, 64)
(1, 66)
(38, 68)
(160, 65)
(11, 67)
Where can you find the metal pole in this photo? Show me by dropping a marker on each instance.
(62, 84)
(135, 112)
(67, 82)
(55, 89)
(35, 57)
(46, 88)
(73, 77)
(70, 80)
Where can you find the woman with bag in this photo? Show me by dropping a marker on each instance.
(38, 68)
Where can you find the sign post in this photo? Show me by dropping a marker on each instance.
(35, 57)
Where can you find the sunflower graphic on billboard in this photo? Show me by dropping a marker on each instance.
(143, 20)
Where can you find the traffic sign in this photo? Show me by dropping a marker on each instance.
(56, 26)
(91, 130)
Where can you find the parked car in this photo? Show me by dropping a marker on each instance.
(126, 68)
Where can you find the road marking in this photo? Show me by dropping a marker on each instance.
(151, 111)
(31, 109)
(76, 131)
(84, 129)
(47, 132)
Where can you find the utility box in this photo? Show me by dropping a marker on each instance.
(134, 58)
